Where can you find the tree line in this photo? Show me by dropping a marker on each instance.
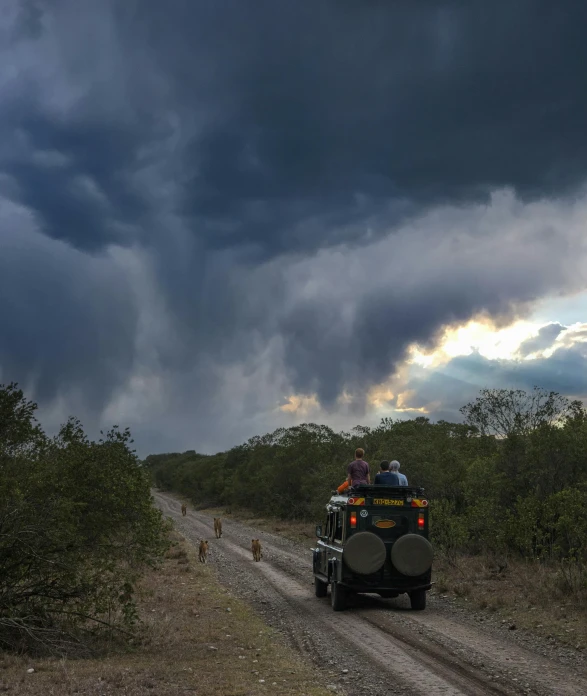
(77, 528)
(510, 479)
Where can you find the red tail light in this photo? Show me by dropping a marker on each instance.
(353, 520)
(421, 521)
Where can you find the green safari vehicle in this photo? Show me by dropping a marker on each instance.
(375, 541)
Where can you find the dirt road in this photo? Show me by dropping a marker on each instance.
(386, 648)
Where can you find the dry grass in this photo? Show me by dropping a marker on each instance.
(296, 531)
(190, 644)
(530, 595)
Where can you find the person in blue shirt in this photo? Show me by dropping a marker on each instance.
(394, 467)
(385, 477)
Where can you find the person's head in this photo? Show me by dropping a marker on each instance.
(384, 466)
(359, 453)
(394, 466)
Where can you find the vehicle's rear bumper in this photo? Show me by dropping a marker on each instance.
(357, 587)
(385, 588)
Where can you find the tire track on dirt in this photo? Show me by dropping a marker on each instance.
(522, 665)
(416, 664)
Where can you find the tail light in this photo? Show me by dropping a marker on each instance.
(421, 521)
(353, 520)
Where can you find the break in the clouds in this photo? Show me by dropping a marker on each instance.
(559, 367)
(206, 208)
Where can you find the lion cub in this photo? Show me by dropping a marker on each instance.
(256, 549)
(218, 527)
(184, 510)
(203, 552)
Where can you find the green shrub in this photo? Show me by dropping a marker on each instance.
(77, 528)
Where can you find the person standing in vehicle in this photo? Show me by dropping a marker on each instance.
(386, 477)
(358, 471)
(394, 467)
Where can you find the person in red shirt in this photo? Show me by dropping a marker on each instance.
(358, 471)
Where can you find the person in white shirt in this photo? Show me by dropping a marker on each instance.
(394, 467)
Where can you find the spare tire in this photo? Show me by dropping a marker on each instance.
(364, 553)
(412, 555)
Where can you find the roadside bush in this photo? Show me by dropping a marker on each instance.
(448, 531)
(77, 527)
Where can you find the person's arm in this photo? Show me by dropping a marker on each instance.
(368, 475)
(348, 475)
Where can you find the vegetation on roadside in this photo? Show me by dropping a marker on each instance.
(77, 530)
(508, 482)
(189, 643)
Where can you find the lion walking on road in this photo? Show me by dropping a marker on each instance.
(184, 510)
(203, 551)
(256, 549)
(218, 527)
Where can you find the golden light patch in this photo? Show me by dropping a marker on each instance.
(480, 335)
(297, 403)
(380, 395)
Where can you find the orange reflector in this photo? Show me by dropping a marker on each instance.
(421, 521)
(353, 520)
(385, 524)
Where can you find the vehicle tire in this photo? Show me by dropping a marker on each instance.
(418, 599)
(320, 588)
(337, 596)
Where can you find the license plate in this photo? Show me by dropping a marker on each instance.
(387, 501)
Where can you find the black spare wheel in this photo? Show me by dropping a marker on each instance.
(412, 555)
(364, 553)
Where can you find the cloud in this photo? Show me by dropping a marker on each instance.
(68, 320)
(209, 208)
(441, 393)
(543, 340)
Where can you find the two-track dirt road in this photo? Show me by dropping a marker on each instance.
(386, 647)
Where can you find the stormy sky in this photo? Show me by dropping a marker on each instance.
(222, 216)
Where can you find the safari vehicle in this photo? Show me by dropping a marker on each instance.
(376, 541)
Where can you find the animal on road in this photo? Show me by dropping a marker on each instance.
(203, 551)
(256, 549)
(218, 527)
(184, 510)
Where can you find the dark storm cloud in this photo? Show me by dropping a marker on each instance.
(68, 321)
(227, 201)
(298, 109)
(388, 100)
(545, 338)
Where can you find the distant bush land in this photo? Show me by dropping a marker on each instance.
(510, 479)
